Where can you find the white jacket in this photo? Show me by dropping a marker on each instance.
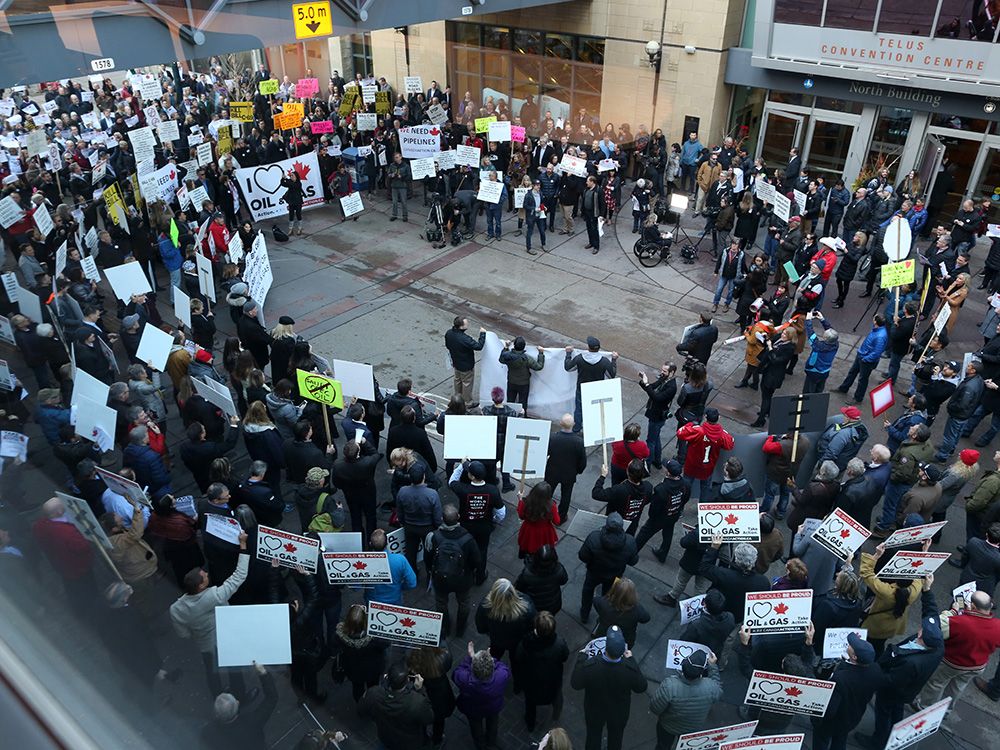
(193, 615)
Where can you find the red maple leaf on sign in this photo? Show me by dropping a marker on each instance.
(302, 170)
(793, 691)
(731, 519)
(719, 737)
(919, 724)
(916, 563)
(360, 565)
(290, 547)
(172, 174)
(781, 608)
(844, 534)
(434, 131)
(406, 622)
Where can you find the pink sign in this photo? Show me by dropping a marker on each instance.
(321, 126)
(517, 133)
(306, 87)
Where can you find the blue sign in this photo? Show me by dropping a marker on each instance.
(808, 83)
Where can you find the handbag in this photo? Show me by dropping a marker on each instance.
(645, 468)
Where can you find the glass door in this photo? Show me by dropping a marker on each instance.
(780, 133)
(929, 165)
(953, 177)
(829, 147)
(987, 183)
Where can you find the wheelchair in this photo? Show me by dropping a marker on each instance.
(652, 253)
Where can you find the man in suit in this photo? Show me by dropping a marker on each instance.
(434, 91)
(541, 154)
(566, 461)
(794, 166)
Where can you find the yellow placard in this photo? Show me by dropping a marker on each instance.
(483, 123)
(295, 108)
(136, 193)
(242, 111)
(286, 121)
(382, 103)
(897, 274)
(112, 196)
(312, 19)
(225, 142)
(269, 86)
(347, 103)
(320, 388)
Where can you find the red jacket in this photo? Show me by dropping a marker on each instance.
(621, 458)
(220, 235)
(971, 638)
(533, 535)
(829, 258)
(65, 547)
(705, 442)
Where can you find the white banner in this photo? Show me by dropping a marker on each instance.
(735, 522)
(357, 567)
(468, 156)
(422, 168)
(913, 534)
(841, 534)
(418, 627)
(678, 650)
(288, 549)
(526, 447)
(420, 142)
(709, 739)
(257, 270)
(787, 694)
(263, 190)
(778, 611)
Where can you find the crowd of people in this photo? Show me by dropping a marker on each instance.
(311, 468)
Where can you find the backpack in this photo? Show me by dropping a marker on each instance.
(322, 522)
(449, 561)
(279, 234)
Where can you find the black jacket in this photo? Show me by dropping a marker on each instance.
(198, 457)
(966, 397)
(413, 437)
(855, 686)
(540, 666)
(669, 498)
(699, 342)
(694, 552)
(734, 584)
(590, 367)
(909, 670)
(773, 364)
(567, 458)
(900, 335)
(607, 686)
(709, 630)
(607, 551)
(504, 634)
(470, 555)
(625, 499)
(543, 583)
(400, 717)
(833, 611)
(394, 405)
(260, 497)
(300, 456)
(856, 214)
(661, 394)
(254, 339)
(462, 348)
(356, 478)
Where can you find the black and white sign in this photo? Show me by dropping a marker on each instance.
(913, 534)
(734, 522)
(778, 611)
(288, 549)
(788, 694)
(357, 567)
(709, 739)
(913, 564)
(920, 725)
(841, 534)
(418, 627)
(678, 650)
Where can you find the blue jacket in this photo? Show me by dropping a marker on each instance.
(171, 255)
(690, 151)
(823, 352)
(900, 426)
(50, 419)
(874, 344)
(839, 198)
(550, 184)
(148, 467)
(917, 220)
(403, 577)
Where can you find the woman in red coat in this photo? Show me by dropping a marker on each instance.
(538, 514)
(623, 452)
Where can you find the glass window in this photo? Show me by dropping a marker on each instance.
(590, 50)
(828, 150)
(527, 70)
(959, 123)
(528, 42)
(786, 97)
(891, 129)
(848, 14)
(361, 53)
(839, 105)
(497, 37)
(467, 59)
(952, 18)
(559, 45)
(467, 33)
(907, 17)
(496, 64)
(558, 74)
(797, 12)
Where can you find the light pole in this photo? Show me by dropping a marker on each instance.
(654, 52)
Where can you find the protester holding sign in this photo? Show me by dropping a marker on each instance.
(887, 613)
(682, 702)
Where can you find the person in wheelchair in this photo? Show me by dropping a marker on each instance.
(652, 236)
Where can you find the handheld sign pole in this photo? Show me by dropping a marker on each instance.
(895, 315)
(326, 424)
(929, 342)
(798, 423)
(524, 459)
(604, 443)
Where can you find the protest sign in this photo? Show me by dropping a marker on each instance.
(437, 114)
(154, 347)
(467, 155)
(678, 650)
(168, 131)
(29, 305)
(182, 307)
(835, 641)
(788, 694)
(122, 486)
(352, 204)
(841, 534)
(734, 522)
(368, 92)
(526, 447)
(468, 436)
(913, 534)
(778, 611)
(216, 393)
(573, 165)
(602, 411)
(43, 220)
(782, 206)
(36, 143)
(942, 319)
(235, 248)
(800, 200)
(517, 133)
(692, 609)
(445, 160)
(14, 445)
(357, 379)
(263, 190)
(268, 87)
(149, 87)
(382, 104)
(320, 388)
(222, 527)
(420, 141)
(367, 120)
(126, 280)
(242, 111)
(86, 385)
(490, 191)
(82, 517)
(395, 542)
(257, 270)
(343, 541)
(499, 131)
(253, 633)
(160, 184)
(357, 567)
(206, 275)
(96, 422)
(519, 194)
(143, 143)
(306, 87)
(321, 126)
(418, 627)
(483, 123)
(413, 85)
(768, 742)
(204, 153)
(421, 168)
(964, 592)
(919, 726)
(897, 274)
(10, 212)
(6, 331)
(709, 739)
(607, 165)
(913, 564)
(290, 550)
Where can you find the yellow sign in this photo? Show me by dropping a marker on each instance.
(382, 103)
(897, 274)
(242, 111)
(286, 121)
(320, 388)
(136, 193)
(113, 196)
(347, 103)
(294, 108)
(483, 123)
(225, 142)
(269, 86)
(312, 20)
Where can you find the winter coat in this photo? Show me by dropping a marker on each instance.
(606, 552)
(682, 704)
(535, 534)
(734, 584)
(50, 419)
(540, 666)
(543, 584)
(608, 686)
(148, 467)
(699, 341)
(709, 630)
(909, 669)
(462, 348)
(778, 466)
(361, 657)
(628, 621)
(880, 620)
(476, 698)
(284, 413)
(504, 634)
(855, 686)
(520, 364)
(401, 717)
(815, 501)
(661, 393)
(590, 366)
(906, 461)
(263, 443)
(840, 443)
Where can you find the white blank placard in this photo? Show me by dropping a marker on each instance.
(341, 541)
(127, 279)
(470, 437)
(356, 379)
(606, 393)
(182, 307)
(91, 416)
(533, 432)
(253, 633)
(216, 394)
(89, 387)
(154, 347)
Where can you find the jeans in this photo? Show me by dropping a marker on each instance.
(532, 224)
(771, 489)
(518, 394)
(894, 492)
(770, 250)
(653, 441)
(175, 281)
(593, 236)
(815, 382)
(493, 216)
(894, 362)
(972, 422)
(413, 536)
(952, 432)
(577, 412)
(687, 177)
(830, 224)
(398, 201)
(862, 371)
(700, 584)
(720, 287)
(638, 219)
(649, 529)
(565, 495)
